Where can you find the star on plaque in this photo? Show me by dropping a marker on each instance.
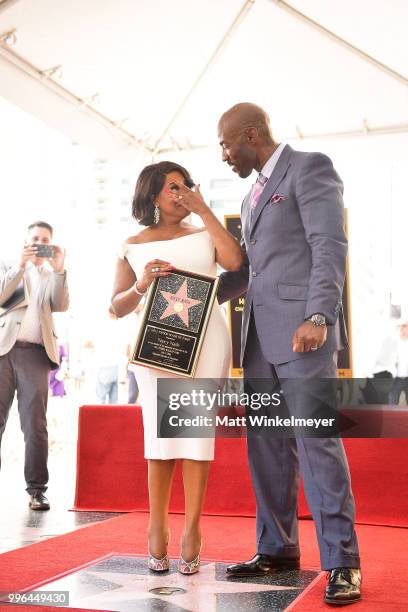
(124, 583)
(179, 303)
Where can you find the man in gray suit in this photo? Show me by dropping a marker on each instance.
(295, 244)
(28, 348)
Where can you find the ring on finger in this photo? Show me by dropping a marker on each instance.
(313, 348)
(157, 269)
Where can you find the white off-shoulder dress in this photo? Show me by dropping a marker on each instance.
(195, 252)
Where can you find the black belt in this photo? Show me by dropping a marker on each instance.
(22, 344)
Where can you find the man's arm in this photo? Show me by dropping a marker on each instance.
(234, 284)
(319, 192)
(59, 292)
(59, 300)
(10, 278)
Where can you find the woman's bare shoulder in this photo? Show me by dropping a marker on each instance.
(143, 236)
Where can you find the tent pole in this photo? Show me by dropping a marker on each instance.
(82, 105)
(5, 4)
(343, 42)
(365, 130)
(244, 10)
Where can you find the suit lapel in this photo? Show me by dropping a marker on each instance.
(246, 216)
(275, 179)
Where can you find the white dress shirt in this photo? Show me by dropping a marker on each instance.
(269, 167)
(30, 328)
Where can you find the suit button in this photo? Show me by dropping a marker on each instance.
(253, 273)
(253, 241)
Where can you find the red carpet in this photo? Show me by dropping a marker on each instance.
(383, 552)
(111, 471)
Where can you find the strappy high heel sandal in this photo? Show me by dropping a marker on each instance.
(159, 565)
(189, 567)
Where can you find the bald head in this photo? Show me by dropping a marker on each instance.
(245, 137)
(246, 115)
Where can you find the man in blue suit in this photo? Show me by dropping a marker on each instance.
(294, 239)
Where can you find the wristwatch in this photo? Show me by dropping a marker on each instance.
(317, 319)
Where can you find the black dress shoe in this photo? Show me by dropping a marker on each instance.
(344, 586)
(262, 565)
(38, 501)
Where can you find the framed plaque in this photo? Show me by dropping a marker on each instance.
(174, 323)
(235, 305)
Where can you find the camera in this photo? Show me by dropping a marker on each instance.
(44, 250)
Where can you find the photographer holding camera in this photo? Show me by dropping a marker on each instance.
(30, 291)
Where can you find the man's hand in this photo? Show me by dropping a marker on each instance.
(309, 337)
(28, 251)
(57, 262)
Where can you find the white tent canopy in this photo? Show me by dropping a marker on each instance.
(140, 77)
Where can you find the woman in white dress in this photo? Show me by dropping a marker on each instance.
(164, 197)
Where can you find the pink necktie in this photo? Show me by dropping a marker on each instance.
(258, 189)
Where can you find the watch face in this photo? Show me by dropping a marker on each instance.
(318, 319)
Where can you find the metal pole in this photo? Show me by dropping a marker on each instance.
(5, 4)
(343, 42)
(246, 7)
(81, 105)
(398, 128)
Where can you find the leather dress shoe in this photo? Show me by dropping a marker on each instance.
(262, 565)
(38, 501)
(344, 586)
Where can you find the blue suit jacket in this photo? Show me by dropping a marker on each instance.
(295, 255)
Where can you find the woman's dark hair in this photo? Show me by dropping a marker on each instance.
(148, 186)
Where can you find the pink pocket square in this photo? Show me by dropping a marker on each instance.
(276, 198)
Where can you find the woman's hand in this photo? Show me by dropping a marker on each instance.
(191, 199)
(152, 270)
(228, 252)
